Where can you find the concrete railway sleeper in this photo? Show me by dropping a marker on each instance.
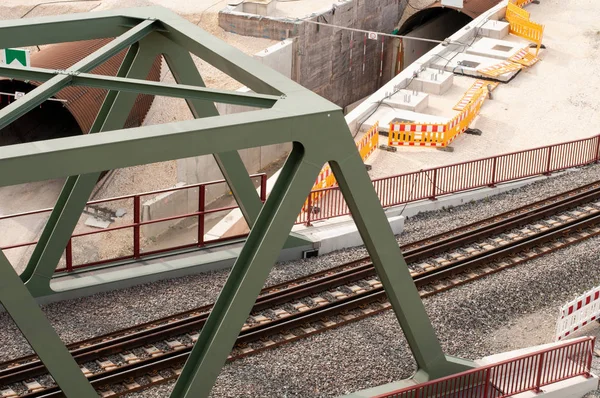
(286, 312)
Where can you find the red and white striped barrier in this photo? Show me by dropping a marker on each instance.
(420, 128)
(578, 313)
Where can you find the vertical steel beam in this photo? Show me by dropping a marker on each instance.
(32, 322)
(230, 163)
(77, 189)
(373, 226)
(247, 277)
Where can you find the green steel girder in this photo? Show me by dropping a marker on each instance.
(35, 327)
(315, 126)
(77, 189)
(184, 71)
(142, 86)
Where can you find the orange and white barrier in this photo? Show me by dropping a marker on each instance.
(524, 57)
(521, 25)
(416, 134)
(500, 69)
(521, 3)
(468, 96)
(463, 120)
(437, 135)
(368, 143)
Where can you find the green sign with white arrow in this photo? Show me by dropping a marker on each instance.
(16, 56)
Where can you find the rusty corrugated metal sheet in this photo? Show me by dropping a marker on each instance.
(472, 8)
(85, 102)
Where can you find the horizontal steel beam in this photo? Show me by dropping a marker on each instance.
(38, 161)
(142, 86)
(59, 29)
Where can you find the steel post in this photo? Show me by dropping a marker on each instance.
(201, 216)
(388, 261)
(136, 227)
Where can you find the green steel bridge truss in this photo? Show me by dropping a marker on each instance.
(286, 112)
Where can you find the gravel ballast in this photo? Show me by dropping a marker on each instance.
(481, 318)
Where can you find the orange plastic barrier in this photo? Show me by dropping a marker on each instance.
(520, 25)
(417, 134)
(521, 3)
(524, 57)
(468, 96)
(463, 120)
(500, 69)
(368, 143)
(437, 135)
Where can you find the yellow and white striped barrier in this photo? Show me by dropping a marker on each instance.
(500, 68)
(468, 96)
(520, 25)
(524, 57)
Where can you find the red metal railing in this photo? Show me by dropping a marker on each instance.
(329, 202)
(431, 183)
(136, 226)
(511, 377)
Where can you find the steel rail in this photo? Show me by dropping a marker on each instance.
(282, 293)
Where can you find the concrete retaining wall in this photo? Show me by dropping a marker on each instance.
(167, 204)
(204, 168)
(322, 56)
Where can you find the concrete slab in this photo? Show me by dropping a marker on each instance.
(329, 237)
(86, 283)
(494, 48)
(97, 223)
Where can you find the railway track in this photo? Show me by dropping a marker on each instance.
(152, 353)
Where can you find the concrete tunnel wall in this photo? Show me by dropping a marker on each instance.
(436, 24)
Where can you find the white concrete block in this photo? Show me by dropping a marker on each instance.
(494, 29)
(278, 57)
(331, 237)
(432, 81)
(494, 48)
(259, 7)
(415, 101)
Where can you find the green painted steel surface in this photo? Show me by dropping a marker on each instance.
(315, 126)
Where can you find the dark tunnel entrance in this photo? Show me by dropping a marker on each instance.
(432, 23)
(47, 121)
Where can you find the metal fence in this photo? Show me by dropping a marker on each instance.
(132, 242)
(431, 183)
(132, 232)
(511, 377)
